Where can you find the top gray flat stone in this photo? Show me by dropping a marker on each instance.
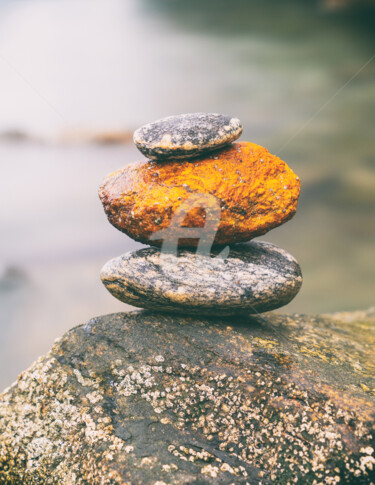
(186, 136)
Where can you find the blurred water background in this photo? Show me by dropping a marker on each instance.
(74, 73)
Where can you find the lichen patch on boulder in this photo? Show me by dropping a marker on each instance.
(151, 398)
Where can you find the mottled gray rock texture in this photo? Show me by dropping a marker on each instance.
(143, 398)
(186, 136)
(255, 277)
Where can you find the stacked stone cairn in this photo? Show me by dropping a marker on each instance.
(197, 201)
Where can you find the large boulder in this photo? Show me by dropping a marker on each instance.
(142, 398)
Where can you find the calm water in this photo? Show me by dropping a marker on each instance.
(100, 65)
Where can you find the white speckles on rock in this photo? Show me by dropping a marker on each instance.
(239, 404)
(186, 136)
(255, 277)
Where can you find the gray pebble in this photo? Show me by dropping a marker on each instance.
(255, 277)
(186, 136)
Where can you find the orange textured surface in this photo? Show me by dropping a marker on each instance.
(256, 191)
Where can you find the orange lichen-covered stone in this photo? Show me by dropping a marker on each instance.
(256, 191)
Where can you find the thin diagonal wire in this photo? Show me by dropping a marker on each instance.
(299, 131)
(32, 87)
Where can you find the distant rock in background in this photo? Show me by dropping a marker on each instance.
(151, 398)
(97, 137)
(17, 136)
(69, 137)
(12, 276)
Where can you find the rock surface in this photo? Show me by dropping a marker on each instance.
(186, 136)
(143, 398)
(254, 191)
(254, 277)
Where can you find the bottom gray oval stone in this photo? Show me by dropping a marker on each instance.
(255, 277)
